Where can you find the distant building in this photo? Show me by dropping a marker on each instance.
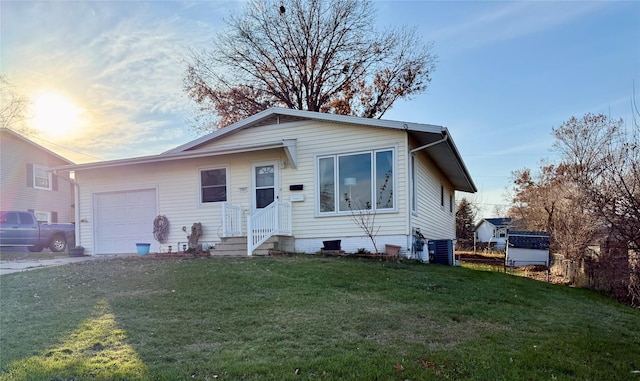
(492, 232)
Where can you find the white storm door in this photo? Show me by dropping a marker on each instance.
(265, 184)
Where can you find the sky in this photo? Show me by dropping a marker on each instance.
(104, 78)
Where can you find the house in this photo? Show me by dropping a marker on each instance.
(27, 181)
(493, 232)
(287, 173)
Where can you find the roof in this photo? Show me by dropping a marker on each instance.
(285, 143)
(16, 135)
(528, 233)
(497, 222)
(445, 155)
(443, 152)
(278, 115)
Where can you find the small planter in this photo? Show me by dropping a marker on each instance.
(392, 250)
(143, 248)
(76, 251)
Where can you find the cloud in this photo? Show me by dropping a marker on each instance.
(502, 21)
(121, 62)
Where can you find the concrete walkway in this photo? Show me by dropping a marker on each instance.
(8, 267)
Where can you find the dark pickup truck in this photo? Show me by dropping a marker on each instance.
(19, 228)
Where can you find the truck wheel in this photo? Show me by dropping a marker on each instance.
(35, 248)
(58, 243)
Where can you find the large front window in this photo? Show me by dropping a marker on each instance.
(356, 181)
(213, 185)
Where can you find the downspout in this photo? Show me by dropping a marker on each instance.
(76, 210)
(446, 137)
(412, 186)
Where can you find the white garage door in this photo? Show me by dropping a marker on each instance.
(123, 219)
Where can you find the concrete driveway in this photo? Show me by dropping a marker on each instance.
(8, 267)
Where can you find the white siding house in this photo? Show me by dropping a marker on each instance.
(304, 163)
(493, 232)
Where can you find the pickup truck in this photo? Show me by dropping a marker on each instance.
(18, 228)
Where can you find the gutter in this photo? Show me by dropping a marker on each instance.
(446, 137)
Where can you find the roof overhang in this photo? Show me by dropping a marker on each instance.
(444, 155)
(289, 146)
(441, 149)
(38, 146)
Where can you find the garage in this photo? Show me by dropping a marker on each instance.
(123, 219)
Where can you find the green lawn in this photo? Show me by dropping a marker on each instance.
(306, 318)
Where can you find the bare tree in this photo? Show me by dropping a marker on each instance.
(603, 159)
(317, 55)
(13, 106)
(550, 201)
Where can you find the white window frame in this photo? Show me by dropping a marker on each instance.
(336, 174)
(37, 168)
(451, 203)
(40, 212)
(227, 185)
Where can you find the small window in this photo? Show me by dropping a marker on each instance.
(9, 218)
(451, 203)
(213, 185)
(441, 196)
(43, 217)
(41, 178)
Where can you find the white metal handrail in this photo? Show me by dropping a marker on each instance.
(231, 220)
(273, 219)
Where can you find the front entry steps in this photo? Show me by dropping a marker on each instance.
(237, 246)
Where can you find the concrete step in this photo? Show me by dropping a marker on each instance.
(237, 246)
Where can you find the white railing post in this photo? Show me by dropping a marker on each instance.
(265, 223)
(231, 220)
(249, 236)
(224, 219)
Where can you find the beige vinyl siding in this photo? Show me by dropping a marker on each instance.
(315, 139)
(435, 221)
(16, 195)
(178, 192)
(178, 186)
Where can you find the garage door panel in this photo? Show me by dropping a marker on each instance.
(124, 219)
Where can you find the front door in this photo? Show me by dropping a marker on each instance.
(265, 183)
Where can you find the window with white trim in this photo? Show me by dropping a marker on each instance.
(41, 178)
(213, 185)
(44, 217)
(450, 203)
(356, 181)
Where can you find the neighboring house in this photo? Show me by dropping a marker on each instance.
(27, 181)
(493, 232)
(280, 172)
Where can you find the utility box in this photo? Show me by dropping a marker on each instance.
(441, 251)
